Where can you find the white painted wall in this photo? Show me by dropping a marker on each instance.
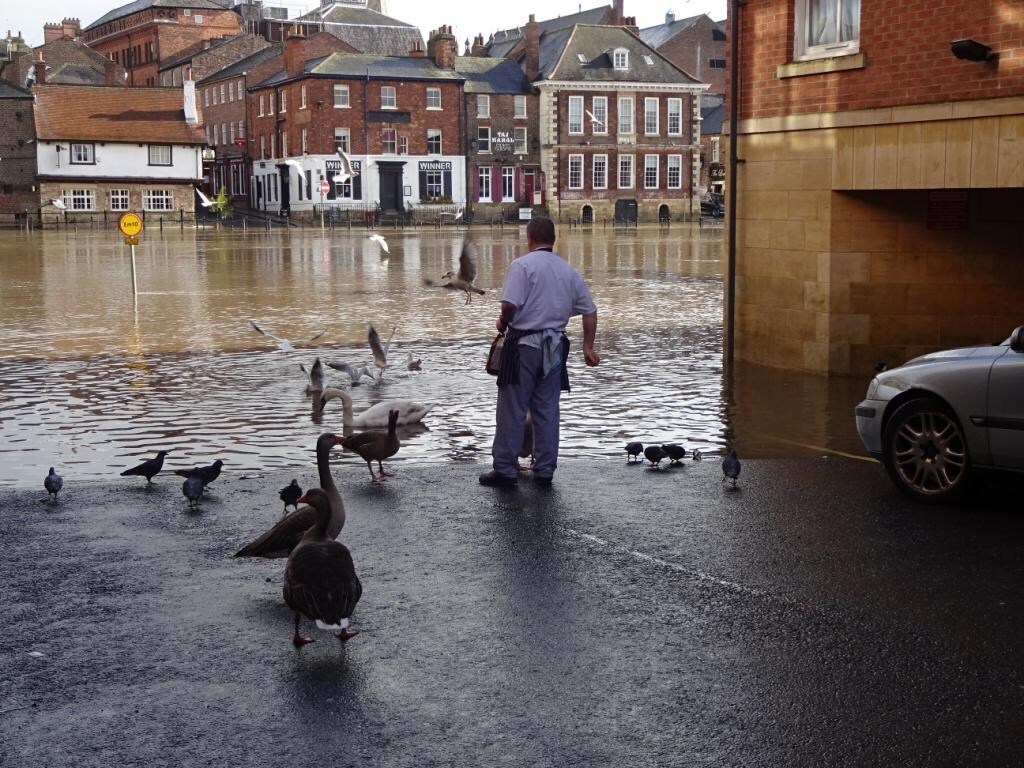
(121, 161)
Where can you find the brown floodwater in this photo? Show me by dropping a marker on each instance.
(94, 377)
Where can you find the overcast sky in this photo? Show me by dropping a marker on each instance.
(467, 17)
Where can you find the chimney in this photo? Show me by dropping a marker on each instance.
(618, 14)
(441, 47)
(71, 28)
(670, 18)
(479, 49)
(109, 72)
(294, 54)
(533, 48)
(40, 69)
(52, 32)
(417, 51)
(629, 22)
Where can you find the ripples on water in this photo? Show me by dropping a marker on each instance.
(92, 381)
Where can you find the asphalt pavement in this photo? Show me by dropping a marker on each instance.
(623, 616)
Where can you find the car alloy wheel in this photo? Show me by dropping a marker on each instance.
(925, 452)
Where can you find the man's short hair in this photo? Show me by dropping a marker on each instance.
(541, 230)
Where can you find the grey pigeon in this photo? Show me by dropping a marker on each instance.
(654, 454)
(697, 455)
(192, 489)
(53, 483)
(206, 474)
(675, 452)
(633, 450)
(731, 468)
(290, 495)
(148, 468)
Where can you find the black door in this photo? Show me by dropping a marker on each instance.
(390, 186)
(286, 197)
(625, 210)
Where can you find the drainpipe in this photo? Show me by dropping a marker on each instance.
(734, 161)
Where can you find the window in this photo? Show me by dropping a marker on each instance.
(305, 145)
(231, 91)
(209, 135)
(483, 106)
(341, 97)
(270, 103)
(241, 130)
(261, 107)
(575, 114)
(223, 93)
(651, 117)
(520, 106)
(83, 154)
(282, 105)
(520, 138)
(434, 141)
(508, 183)
(389, 141)
(600, 110)
(240, 87)
(216, 134)
(716, 63)
(198, 18)
(715, 156)
(582, 58)
(342, 140)
(625, 171)
(273, 145)
(648, 60)
(433, 98)
(483, 138)
(575, 171)
(79, 199)
(484, 178)
(263, 147)
(625, 114)
(119, 199)
(675, 117)
(157, 200)
(403, 145)
(600, 168)
(650, 171)
(231, 131)
(675, 171)
(213, 96)
(826, 28)
(620, 58)
(284, 144)
(302, 97)
(387, 97)
(434, 185)
(206, 97)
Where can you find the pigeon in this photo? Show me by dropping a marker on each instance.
(654, 454)
(148, 468)
(205, 474)
(697, 455)
(290, 495)
(355, 374)
(203, 199)
(411, 364)
(731, 468)
(380, 353)
(53, 483)
(633, 450)
(283, 344)
(58, 204)
(675, 452)
(192, 489)
(316, 376)
(379, 240)
(462, 281)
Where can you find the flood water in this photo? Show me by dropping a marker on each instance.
(94, 378)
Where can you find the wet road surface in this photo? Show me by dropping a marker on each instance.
(623, 617)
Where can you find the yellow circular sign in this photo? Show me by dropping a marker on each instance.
(130, 224)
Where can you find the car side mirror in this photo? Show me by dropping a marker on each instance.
(1017, 339)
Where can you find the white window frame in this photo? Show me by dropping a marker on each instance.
(240, 87)
(79, 199)
(626, 166)
(620, 59)
(305, 143)
(270, 102)
(519, 100)
(388, 97)
(389, 137)
(119, 199)
(434, 185)
(302, 97)
(273, 146)
(599, 106)
(263, 147)
(284, 143)
(627, 117)
(483, 106)
(433, 95)
(206, 97)
(803, 49)
(213, 96)
(675, 115)
(345, 135)
(508, 183)
(231, 90)
(648, 165)
(651, 127)
(160, 200)
(216, 134)
(483, 139)
(223, 93)
(522, 147)
(575, 168)
(716, 153)
(282, 105)
(403, 144)
(574, 116)
(82, 153)
(484, 183)
(260, 114)
(343, 102)
(435, 133)
(674, 163)
(599, 182)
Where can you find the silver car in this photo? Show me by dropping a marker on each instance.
(937, 418)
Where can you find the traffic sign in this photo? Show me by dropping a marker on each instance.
(325, 187)
(130, 224)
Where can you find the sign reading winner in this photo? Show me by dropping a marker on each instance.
(435, 180)
(349, 190)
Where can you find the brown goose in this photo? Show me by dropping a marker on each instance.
(376, 446)
(280, 540)
(320, 579)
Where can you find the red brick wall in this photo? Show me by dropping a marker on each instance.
(682, 50)
(19, 161)
(610, 138)
(907, 50)
(502, 120)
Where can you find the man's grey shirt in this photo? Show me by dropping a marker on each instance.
(546, 291)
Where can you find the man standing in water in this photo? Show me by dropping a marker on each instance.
(542, 291)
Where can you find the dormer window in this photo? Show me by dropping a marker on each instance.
(620, 58)
(582, 58)
(648, 60)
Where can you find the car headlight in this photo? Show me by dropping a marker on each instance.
(872, 389)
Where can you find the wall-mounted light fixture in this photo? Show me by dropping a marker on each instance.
(972, 50)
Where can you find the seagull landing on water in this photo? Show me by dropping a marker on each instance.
(380, 352)
(283, 344)
(379, 240)
(53, 483)
(731, 468)
(355, 374)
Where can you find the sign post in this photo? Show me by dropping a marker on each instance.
(130, 225)
(325, 187)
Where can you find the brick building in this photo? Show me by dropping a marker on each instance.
(225, 116)
(68, 61)
(879, 199)
(712, 157)
(511, 43)
(207, 57)
(361, 25)
(17, 153)
(143, 34)
(398, 117)
(696, 45)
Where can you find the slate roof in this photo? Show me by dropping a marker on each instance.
(712, 119)
(76, 74)
(595, 42)
(108, 113)
(658, 35)
(240, 67)
(141, 5)
(366, 30)
(364, 65)
(194, 50)
(488, 75)
(504, 40)
(8, 91)
(58, 55)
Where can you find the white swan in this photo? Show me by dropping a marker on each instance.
(376, 415)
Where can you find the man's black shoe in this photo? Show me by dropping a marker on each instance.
(496, 480)
(542, 479)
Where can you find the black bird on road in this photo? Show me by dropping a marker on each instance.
(53, 483)
(148, 468)
(633, 450)
(192, 489)
(206, 474)
(675, 452)
(654, 454)
(731, 468)
(290, 495)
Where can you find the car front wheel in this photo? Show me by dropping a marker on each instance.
(924, 451)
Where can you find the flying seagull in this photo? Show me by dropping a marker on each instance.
(355, 374)
(380, 353)
(346, 173)
(593, 118)
(463, 280)
(316, 376)
(283, 344)
(455, 216)
(53, 483)
(379, 240)
(58, 204)
(203, 199)
(731, 468)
